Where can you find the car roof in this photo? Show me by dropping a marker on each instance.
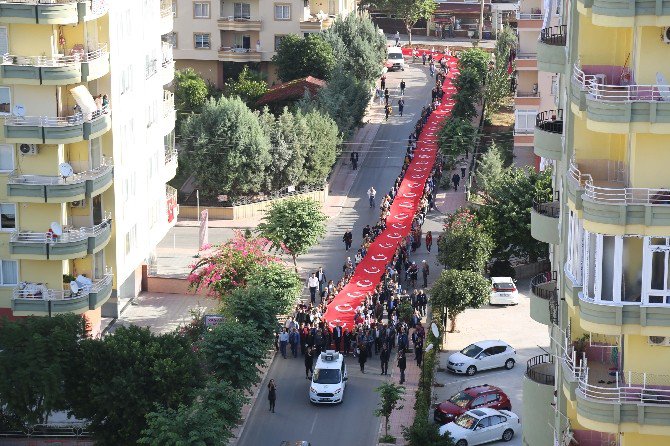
(490, 343)
(394, 49)
(502, 279)
(334, 363)
(476, 390)
(482, 412)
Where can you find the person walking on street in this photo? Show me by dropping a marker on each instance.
(418, 351)
(283, 340)
(313, 285)
(402, 87)
(429, 240)
(384, 357)
(401, 105)
(272, 394)
(294, 340)
(323, 282)
(432, 68)
(423, 58)
(354, 160)
(462, 172)
(383, 82)
(387, 111)
(362, 356)
(386, 96)
(348, 236)
(371, 196)
(402, 364)
(425, 270)
(455, 179)
(397, 38)
(309, 363)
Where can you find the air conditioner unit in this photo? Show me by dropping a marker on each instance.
(28, 149)
(659, 340)
(78, 204)
(666, 35)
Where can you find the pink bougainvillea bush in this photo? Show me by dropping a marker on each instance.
(460, 219)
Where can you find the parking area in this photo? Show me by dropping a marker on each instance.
(509, 324)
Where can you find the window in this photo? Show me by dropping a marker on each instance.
(5, 100)
(554, 85)
(282, 12)
(492, 397)
(172, 39)
(9, 272)
(278, 41)
(242, 11)
(202, 41)
(484, 423)
(126, 79)
(478, 401)
(131, 239)
(242, 41)
(201, 10)
(524, 121)
(7, 216)
(6, 157)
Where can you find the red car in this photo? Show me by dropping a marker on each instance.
(471, 398)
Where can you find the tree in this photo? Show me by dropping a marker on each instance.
(425, 433)
(468, 94)
(475, 59)
(410, 11)
(249, 86)
(489, 168)
(233, 352)
(228, 150)
(190, 91)
(36, 361)
(468, 248)
(287, 147)
(119, 379)
(299, 57)
(455, 291)
(256, 305)
(497, 82)
(285, 284)
(456, 137)
(293, 225)
(207, 421)
(321, 140)
(390, 395)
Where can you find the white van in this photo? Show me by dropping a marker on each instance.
(395, 59)
(329, 379)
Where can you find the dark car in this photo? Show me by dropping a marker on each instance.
(295, 443)
(471, 398)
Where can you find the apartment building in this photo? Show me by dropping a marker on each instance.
(606, 301)
(85, 152)
(219, 37)
(535, 90)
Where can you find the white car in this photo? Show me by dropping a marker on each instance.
(482, 355)
(395, 60)
(503, 291)
(479, 426)
(329, 379)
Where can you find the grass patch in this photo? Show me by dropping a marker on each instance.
(387, 439)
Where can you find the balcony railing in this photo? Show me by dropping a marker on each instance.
(70, 235)
(168, 57)
(548, 208)
(56, 61)
(617, 195)
(38, 291)
(630, 387)
(168, 103)
(526, 55)
(543, 292)
(529, 15)
(554, 35)
(77, 178)
(527, 94)
(541, 369)
(550, 121)
(59, 121)
(598, 88)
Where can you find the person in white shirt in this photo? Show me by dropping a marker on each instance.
(371, 195)
(397, 38)
(313, 284)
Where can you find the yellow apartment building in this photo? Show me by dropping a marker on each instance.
(606, 301)
(215, 36)
(86, 149)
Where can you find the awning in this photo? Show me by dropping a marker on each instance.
(84, 100)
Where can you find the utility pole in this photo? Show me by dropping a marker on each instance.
(481, 21)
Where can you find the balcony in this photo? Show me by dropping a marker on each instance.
(233, 23)
(526, 99)
(44, 12)
(538, 395)
(548, 140)
(73, 243)
(551, 51)
(227, 54)
(58, 189)
(78, 67)
(544, 298)
(544, 221)
(597, 187)
(526, 61)
(57, 130)
(540, 370)
(167, 64)
(37, 300)
(167, 18)
(629, 317)
(169, 113)
(172, 206)
(617, 13)
(612, 98)
(529, 20)
(171, 162)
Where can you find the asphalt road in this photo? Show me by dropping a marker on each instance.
(352, 422)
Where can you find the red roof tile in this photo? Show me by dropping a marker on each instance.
(294, 89)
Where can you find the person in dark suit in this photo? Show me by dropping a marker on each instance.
(354, 160)
(402, 364)
(337, 337)
(272, 394)
(384, 357)
(348, 239)
(321, 275)
(309, 363)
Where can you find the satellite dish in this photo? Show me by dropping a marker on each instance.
(435, 330)
(19, 110)
(429, 347)
(74, 287)
(56, 228)
(65, 170)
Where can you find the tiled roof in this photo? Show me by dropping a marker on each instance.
(294, 89)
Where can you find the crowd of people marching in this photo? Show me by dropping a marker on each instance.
(379, 326)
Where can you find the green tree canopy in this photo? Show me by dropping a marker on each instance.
(466, 248)
(409, 11)
(455, 291)
(299, 57)
(249, 86)
(426, 433)
(190, 91)
(293, 225)
(321, 138)
(234, 352)
(475, 59)
(287, 147)
(256, 305)
(285, 284)
(456, 137)
(36, 362)
(228, 150)
(207, 421)
(121, 378)
(468, 94)
(489, 168)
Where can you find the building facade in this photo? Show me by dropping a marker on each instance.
(217, 38)
(86, 150)
(606, 301)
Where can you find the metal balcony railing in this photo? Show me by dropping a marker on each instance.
(550, 121)
(56, 121)
(27, 290)
(44, 180)
(75, 57)
(70, 235)
(629, 387)
(554, 35)
(540, 369)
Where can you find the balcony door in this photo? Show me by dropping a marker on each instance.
(656, 270)
(99, 265)
(95, 153)
(4, 40)
(243, 41)
(98, 212)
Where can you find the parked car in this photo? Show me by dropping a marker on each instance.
(295, 443)
(503, 291)
(471, 398)
(395, 59)
(482, 355)
(479, 426)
